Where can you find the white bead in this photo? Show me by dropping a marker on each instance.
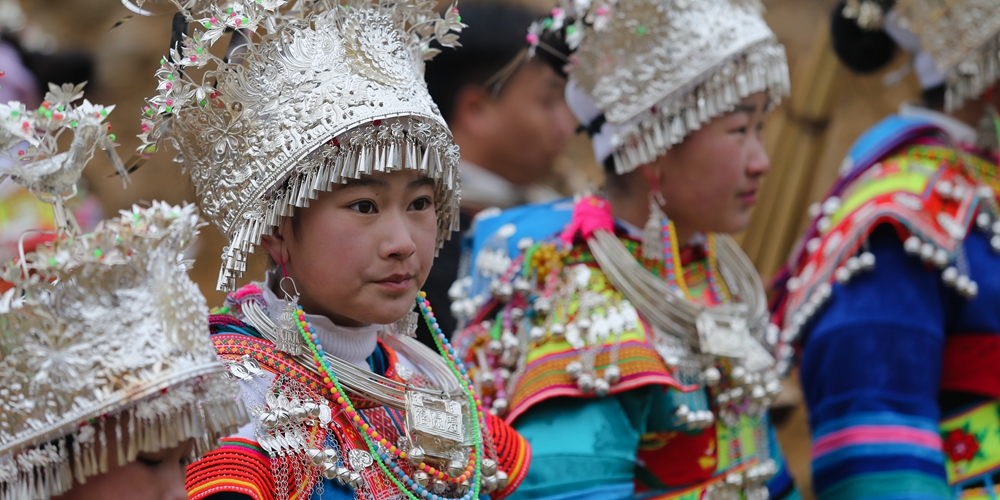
(813, 245)
(831, 205)
(927, 251)
(944, 188)
(972, 290)
(912, 245)
(962, 283)
(712, 376)
(983, 221)
(995, 243)
(867, 261)
(585, 382)
(853, 264)
(843, 275)
(823, 223)
(949, 276)
(793, 283)
(814, 210)
(537, 333)
(996, 227)
(525, 243)
(941, 258)
(557, 329)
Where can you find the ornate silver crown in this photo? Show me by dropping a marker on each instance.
(29, 145)
(311, 96)
(662, 68)
(102, 330)
(963, 38)
(99, 330)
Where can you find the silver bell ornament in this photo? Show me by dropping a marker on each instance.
(416, 456)
(489, 467)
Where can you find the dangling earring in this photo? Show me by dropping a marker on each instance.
(988, 132)
(288, 339)
(408, 325)
(652, 234)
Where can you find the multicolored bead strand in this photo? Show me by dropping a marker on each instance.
(375, 441)
(674, 267)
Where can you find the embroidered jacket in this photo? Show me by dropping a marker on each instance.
(894, 296)
(264, 465)
(621, 440)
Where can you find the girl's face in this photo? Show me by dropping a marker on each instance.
(360, 252)
(153, 476)
(711, 180)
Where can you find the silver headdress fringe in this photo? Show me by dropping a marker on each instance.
(315, 94)
(962, 36)
(106, 329)
(659, 69)
(761, 68)
(198, 409)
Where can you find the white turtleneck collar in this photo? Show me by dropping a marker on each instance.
(353, 345)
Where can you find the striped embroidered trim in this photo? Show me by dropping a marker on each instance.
(238, 466)
(546, 377)
(513, 454)
(875, 434)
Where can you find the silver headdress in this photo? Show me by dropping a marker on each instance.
(962, 36)
(318, 93)
(104, 349)
(659, 69)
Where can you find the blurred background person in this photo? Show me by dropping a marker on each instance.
(508, 115)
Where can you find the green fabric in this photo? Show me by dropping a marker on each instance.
(580, 444)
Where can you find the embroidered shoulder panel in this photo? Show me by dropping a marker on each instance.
(573, 334)
(925, 190)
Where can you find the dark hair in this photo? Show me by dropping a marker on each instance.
(861, 50)
(495, 36)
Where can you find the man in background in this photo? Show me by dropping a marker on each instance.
(508, 115)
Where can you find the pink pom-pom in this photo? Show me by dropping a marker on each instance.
(590, 214)
(532, 39)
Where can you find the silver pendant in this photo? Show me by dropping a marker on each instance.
(359, 460)
(287, 339)
(723, 331)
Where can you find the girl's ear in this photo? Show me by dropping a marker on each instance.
(275, 245)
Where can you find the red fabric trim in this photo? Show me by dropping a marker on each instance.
(972, 364)
(513, 454)
(231, 468)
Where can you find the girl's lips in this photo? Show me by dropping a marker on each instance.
(396, 282)
(749, 197)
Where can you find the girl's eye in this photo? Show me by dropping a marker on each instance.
(741, 130)
(149, 461)
(421, 204)
(364, 207)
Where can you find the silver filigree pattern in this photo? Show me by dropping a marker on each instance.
(660, 69)
(313, 96)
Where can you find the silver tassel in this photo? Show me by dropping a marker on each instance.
(652, 234)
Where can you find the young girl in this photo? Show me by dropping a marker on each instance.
(895, 287)
(109, 384)
(321, 144)
(627, 341)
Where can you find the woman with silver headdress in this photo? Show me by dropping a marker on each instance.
(895, 285)
(108, 383)
(627, 340)
(321, 144)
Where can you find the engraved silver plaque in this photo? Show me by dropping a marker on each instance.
(723, 331)
(437, 417)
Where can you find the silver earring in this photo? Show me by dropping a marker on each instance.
(652, 234)
(288, 339)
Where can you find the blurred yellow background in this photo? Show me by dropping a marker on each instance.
(807, 135)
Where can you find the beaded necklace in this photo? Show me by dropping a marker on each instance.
(674, 267)
(386, 455)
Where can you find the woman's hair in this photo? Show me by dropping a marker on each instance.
(867, 51)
